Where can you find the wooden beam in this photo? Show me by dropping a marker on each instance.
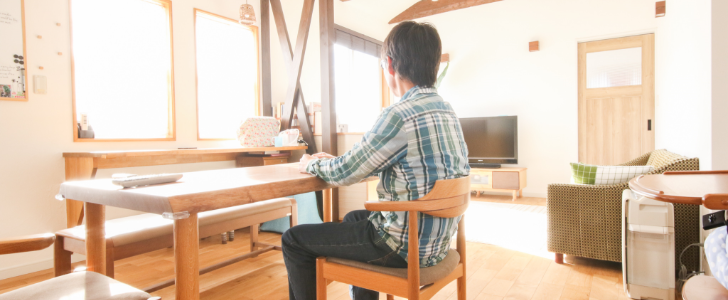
(423, 9)
(288, 56)
(265, 71)
(328, 101)
(294, 72)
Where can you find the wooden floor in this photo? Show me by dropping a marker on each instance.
(494, 273)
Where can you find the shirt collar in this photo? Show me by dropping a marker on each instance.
(416, 91)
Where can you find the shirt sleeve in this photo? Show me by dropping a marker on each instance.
(380, 148)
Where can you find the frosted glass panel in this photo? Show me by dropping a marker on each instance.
(614, 68)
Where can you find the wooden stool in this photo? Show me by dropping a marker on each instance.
(88, 285)
(704, 288)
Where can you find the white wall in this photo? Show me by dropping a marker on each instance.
(492, 73)
(683, 80)
(720, 85)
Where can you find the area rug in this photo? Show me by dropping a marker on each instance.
(513, 226)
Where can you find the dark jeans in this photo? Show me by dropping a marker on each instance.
(354, 239)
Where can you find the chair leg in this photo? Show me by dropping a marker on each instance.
(390, 297)
(224, 237)
(320, 280)
(109, 261)
(559, 258)
(254, 237)
(462, 288)
(61, 258)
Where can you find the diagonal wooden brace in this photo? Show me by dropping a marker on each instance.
(294, 63)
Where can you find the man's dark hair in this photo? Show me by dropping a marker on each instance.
(415, 49)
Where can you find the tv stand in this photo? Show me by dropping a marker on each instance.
(485, 166)
(498, 180)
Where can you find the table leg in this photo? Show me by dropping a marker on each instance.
(186, 259)
(77, 168)
(95, 238)
(328, 203)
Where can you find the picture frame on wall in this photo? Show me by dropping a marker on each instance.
(13, 59)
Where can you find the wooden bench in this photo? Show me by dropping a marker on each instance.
(130, 236)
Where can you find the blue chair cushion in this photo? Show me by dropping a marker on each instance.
(307, 214)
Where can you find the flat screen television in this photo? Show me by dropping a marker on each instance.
(491, 140)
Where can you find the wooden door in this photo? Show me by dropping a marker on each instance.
(616, 99)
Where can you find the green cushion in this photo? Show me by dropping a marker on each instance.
(600, 175)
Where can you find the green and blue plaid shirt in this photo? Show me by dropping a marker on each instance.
(414, 143)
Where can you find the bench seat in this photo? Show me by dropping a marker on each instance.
(134, 235)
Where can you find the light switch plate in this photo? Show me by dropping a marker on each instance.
(342, 128)
(39, 84)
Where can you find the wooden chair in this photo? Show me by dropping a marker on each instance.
(86, 285)
(448, 199)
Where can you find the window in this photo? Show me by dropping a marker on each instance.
(122, 68)
(227, 75)
(358, 78)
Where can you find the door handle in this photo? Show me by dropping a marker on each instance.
(649, 125)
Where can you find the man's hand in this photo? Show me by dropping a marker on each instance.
(323, 155)
(304, 162)
(305, 159)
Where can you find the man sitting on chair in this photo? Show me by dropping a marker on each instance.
(414, 143)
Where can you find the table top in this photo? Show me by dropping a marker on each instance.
(127, 153)
(681, 187)
(199, 191)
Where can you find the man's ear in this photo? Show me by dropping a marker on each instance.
(390, 68)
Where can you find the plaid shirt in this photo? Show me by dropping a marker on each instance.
(414, 143)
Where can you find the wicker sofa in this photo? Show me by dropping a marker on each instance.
(585, 220)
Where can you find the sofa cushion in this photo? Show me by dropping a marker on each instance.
(606, 175)
(80, 285)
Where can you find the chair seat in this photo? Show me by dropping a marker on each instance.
(427, 275)
(129, 230)
(81, 285)
(704, 288)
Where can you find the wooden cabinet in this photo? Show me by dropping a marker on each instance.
(499, 180)
(256, 161)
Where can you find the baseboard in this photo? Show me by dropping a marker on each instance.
(33, 267)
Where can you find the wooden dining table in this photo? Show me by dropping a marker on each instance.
(181, 201)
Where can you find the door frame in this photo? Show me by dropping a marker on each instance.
(647, 89)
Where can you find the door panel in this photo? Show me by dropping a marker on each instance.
(626, 125)
(613, 115)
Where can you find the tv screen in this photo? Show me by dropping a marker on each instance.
(491, 140)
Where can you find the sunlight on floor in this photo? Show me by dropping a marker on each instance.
(519, 227)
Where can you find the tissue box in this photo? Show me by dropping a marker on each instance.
(258, 131)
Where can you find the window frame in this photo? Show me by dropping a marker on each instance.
(257, 104)
(386, 100)
(172, 122)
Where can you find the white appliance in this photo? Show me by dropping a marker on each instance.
(648, 247)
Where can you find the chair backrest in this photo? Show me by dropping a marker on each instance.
(454, 194)
(26, 243)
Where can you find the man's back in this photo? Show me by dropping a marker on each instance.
(435, 150)
(414, 143)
